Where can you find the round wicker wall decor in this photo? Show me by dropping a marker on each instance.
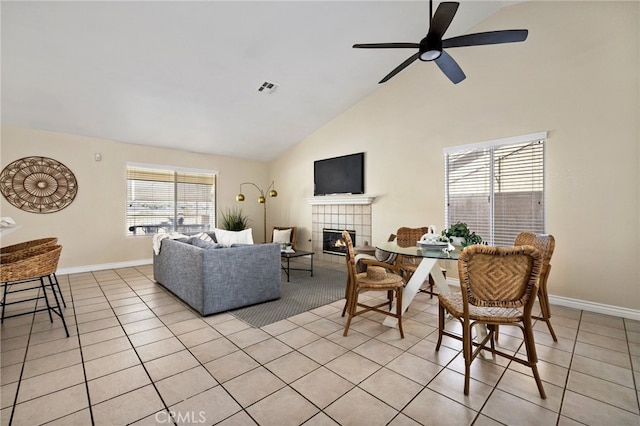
(38, 184)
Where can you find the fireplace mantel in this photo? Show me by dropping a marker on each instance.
(340, 199)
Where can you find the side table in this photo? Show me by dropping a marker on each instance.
(298, 253)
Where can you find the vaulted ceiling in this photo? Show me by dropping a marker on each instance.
(186, 74)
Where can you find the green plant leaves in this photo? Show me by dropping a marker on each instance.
(234, 220)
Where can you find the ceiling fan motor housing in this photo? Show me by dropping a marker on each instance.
(430, 47)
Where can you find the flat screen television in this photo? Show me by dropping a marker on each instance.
(339, 175)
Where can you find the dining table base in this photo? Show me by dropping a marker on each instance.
(425, 267)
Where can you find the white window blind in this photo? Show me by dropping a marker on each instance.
(161, 199)
(497, 188)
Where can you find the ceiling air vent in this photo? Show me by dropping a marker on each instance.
(268, 87)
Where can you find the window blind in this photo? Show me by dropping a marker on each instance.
(497, 189)
(164, 200)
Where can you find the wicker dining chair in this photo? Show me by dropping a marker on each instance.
(498, 287)
(383, 259)
(374, 279)
(49, 241)
(545, 243)
(30, 265)
(408, 237)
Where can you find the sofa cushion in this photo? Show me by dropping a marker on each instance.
(228, 238)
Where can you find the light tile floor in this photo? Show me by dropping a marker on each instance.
(136, 354)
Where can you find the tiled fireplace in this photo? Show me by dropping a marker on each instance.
(352, 213)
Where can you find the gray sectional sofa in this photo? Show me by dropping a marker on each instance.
(212, 279)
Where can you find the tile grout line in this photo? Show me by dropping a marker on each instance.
(24, 360)
(132, 346)
(84, 370)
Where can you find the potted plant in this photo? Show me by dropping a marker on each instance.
(234, 220)
(459, 235)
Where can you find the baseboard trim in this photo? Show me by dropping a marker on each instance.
(103, 266)
(599, 308)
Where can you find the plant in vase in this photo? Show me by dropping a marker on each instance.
(459, 235)
(234, 220)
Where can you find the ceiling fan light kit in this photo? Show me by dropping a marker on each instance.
(431, 47)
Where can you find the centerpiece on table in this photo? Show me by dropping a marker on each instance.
(460, 236)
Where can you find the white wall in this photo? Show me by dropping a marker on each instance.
(92, 229)
(576, 77)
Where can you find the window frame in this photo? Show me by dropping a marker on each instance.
(489, 148)
(176, 170)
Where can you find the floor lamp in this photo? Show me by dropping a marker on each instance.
(261, 199)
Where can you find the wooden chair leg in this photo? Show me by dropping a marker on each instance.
(399, 310)
(347, 294)
(351, 310)
(543, 298)
(467, 349)
(441, 315)
(532, 357)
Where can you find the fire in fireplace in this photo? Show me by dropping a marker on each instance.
(332, 242)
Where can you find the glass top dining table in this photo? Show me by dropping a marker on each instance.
(428, 265)
(434, 252)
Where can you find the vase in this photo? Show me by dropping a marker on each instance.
(457, 242)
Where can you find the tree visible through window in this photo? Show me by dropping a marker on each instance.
(497, 188)
(162, 199)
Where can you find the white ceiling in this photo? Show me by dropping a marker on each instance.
(185, 74)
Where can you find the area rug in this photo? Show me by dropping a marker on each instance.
(303, 293)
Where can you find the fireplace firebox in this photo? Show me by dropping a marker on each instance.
(332, 242)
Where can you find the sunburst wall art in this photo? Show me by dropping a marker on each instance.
(38, 185)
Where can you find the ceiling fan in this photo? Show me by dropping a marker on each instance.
(431, 48)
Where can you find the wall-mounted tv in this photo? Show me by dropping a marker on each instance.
(339, 175)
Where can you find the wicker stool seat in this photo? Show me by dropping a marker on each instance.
(32, 265)
(50, 241)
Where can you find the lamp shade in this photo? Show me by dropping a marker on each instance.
(240, 197)
(273, 193)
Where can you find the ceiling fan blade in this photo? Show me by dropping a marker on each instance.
(387, 46)
(400, 67)
(490, 37)
(450, 68)
(442, 18)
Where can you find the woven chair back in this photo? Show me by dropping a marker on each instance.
(41, 262)
(408, 237)
(545, 243)
(49, 241)
(349, 254)
(499, 277)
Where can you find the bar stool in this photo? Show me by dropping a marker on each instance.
(32, 265)
(15, 252)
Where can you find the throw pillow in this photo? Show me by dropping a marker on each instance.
(282, 236)
(385, 256)
(227, 238)
(195, 241)
(204, 237)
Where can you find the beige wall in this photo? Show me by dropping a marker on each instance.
(567, 79)
(92, 229)
(576, 77)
